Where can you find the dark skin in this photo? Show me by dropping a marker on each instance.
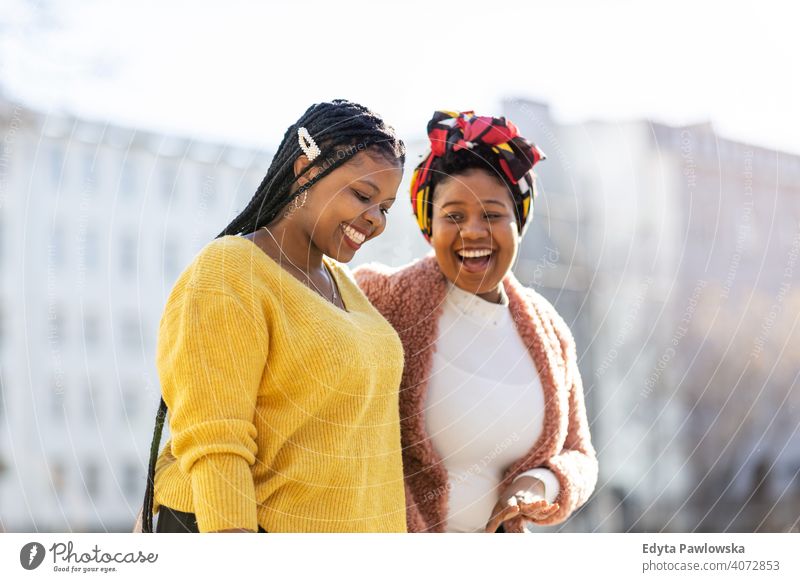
(475, 211)
(358, 193)
(524, 498)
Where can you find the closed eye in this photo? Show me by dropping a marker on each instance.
(359, 195)
(363, 198)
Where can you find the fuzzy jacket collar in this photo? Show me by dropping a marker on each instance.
(411, 298)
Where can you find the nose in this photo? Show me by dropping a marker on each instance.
(374, 216)
(475, 230)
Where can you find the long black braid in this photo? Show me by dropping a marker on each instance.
(341, 129)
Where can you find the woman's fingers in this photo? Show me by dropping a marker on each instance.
(499, 517)
(545, 513)
(516, 524)
(538, 509)
(533, 506)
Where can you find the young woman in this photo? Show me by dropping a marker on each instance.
(494, 427)
(280, 419)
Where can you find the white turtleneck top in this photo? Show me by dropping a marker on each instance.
(485, 405)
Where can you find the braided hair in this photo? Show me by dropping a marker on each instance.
(341, 129)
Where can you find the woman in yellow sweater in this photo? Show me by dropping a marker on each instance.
(280, 377)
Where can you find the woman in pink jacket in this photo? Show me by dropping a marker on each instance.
(494, 428)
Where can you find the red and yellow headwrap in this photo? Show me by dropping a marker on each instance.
(451, 131)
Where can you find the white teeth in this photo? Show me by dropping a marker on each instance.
(474, 254)
(353, 234)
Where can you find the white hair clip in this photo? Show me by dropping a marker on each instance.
(307, 144)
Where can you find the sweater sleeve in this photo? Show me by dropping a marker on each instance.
(551, 485)
(211, 356)
(575, 466)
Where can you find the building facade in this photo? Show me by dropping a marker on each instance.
(672, 253)
(97, 223)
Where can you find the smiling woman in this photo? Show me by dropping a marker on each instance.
(494, 429)
(279, 419)
(466, 205)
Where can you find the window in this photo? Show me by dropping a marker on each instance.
(58, 478)
(242, 192)
(789, 230)
(89, 167)
(57, 397)
(208, 190)
(171, 259)
(130, 402)
(168, 180)
(56, 161)
(251, 184)
(55, 326)
(91, 403)
(129, 182)
(128, 257)
(2, 404)
(91, 480)
(91, 330)
(131, 332)
(2, 238)
(92, 249)
(132, 480)
(55, 247)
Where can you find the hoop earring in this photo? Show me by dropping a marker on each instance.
(296, 204)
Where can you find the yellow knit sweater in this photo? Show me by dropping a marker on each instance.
(283, 408)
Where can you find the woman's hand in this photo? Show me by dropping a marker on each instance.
(503, 511)
(524, 498)
(537, 510)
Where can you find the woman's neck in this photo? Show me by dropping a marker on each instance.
(493, 296)
(290, 244)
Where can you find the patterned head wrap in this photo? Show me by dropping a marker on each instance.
(449, 132)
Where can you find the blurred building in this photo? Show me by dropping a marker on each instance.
(96, 222)
(671, 253)
(741, 227)
(663, 247)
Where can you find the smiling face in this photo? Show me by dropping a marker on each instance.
(474, 232)
(348, 206)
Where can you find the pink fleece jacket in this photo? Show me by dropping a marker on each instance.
(411, 299)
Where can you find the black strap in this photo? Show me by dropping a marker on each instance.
(147, 513)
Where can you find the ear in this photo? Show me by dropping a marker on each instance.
(300, 164)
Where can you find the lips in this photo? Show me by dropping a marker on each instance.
(475, 260)
(353, 236)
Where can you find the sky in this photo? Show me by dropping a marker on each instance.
(244, 71)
